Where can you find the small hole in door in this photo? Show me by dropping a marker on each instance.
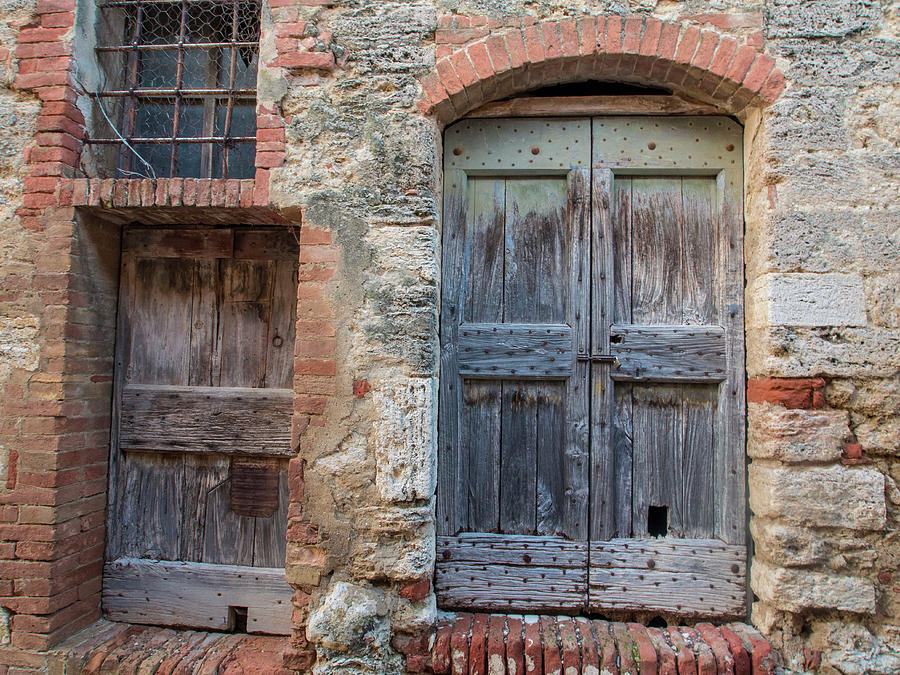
(658, 521)
(238, 619)
(657, 622)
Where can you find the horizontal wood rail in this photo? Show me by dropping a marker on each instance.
(207, 420)
(668, 353)
(170, 593)
(515, 351)
(566, 106)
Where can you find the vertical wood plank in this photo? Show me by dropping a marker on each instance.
(698, 491)
(730, 471)
(699, 257)
(622, 443)
(201, 474)
(485, 224)
(658, 455)
(270, 535)
(576, 422)
(153, 506)
(451, 489)
(124, 318)
(553, 470)
(657, 222)
(480, 435)
(160, 321)
(245, 315)
(699, 200)
(518, 477)
(227, 537)
(282, 327)
(606, 466)
(656, 298)
(206, 327)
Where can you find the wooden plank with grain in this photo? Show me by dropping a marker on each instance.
(210, 420)
(689, 577)
(196, 594)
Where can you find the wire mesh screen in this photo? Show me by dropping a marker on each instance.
(179, 88)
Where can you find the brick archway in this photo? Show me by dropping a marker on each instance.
(704, 64)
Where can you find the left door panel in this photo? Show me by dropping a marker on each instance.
(198, 469)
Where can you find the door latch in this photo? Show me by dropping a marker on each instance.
(599, 358)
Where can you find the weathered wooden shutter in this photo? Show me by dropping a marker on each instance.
(513, 493)
(198, 475)
(655, 328)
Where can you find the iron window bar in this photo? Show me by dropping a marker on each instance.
(179, 139)
(184, 93)
(178, 113)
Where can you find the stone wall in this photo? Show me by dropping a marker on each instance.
(352, 149)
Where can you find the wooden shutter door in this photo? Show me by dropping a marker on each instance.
(513, 453)
(668, 506)
(198, 471)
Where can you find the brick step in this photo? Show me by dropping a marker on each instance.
(496, 644)
(126, 649)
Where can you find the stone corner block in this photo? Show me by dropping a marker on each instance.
(813, 300)
(796, 435)
(834, 496)
(405, 438)
(398, 543)
(798, 590)
(349, 617)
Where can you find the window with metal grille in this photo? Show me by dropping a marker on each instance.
(178, 94)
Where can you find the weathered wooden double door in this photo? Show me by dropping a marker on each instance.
(591, 424)
(198, 473)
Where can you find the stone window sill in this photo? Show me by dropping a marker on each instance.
(120, 193)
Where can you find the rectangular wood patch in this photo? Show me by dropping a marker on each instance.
(521, 573)
(515, 351)
(213, 420)
(254, 487)
(688, 577)
(668, 353)
(195, 594)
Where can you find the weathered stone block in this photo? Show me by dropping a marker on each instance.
(824, 497)
(826, 352)
(405, 436)
(789, 545)
(19, 346)
(822, 18)
(350, 617)
(852, 649)
(399, 544)
(796, 590)
(796, 435)
(802, 299)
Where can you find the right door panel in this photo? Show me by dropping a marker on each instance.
(668, 510)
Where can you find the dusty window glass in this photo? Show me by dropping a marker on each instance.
(178, 88)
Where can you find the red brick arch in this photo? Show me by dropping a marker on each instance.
(703, 64)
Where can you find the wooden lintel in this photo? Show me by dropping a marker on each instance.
(572, 106)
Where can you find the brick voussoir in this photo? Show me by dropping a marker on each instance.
(648, 50)
(471, 642)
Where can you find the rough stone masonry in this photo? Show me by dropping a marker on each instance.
(350, 112)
